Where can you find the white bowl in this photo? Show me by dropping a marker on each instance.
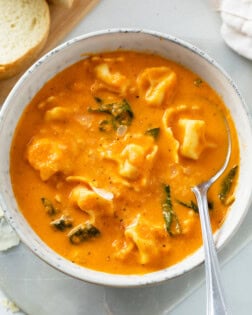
(69, 53)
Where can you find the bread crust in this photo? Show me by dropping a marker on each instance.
(65, 3)
(11, 69)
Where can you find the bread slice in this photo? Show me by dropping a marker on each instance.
(65, 3)
(24, 28)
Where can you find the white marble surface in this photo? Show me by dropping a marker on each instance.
(194, 21)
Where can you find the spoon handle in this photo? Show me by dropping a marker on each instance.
(215, 299)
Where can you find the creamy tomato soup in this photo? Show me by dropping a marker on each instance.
(104, 157)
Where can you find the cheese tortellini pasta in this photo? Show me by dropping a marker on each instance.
(192, 134)
(113, 81)
(194, 141)
(50, 156)
(148, 240)
(91, 202)
(157, 85)
(135, 156)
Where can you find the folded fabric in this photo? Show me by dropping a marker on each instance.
(236, 28)
(8, 237)
(239, 42)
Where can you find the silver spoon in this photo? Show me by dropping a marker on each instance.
(215, 298)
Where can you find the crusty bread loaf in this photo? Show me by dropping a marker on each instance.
(65, 3)
(24, 28)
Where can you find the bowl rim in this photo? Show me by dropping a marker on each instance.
(116, 280)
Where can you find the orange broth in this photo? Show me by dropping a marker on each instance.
(70, 141)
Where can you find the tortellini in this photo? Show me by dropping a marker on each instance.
(194, 141)
(136, 159)
(157, 84)
(114, 81)
(190, 139)
(49, 156)
(58, 113)
(91, 202)
(149, 240)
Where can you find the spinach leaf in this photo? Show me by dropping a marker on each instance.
(62, 223)
(49, 207)
(192, 205)
(82, 232)
(226, 184)
(154, 132)
(170, 217)
(120, 112)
